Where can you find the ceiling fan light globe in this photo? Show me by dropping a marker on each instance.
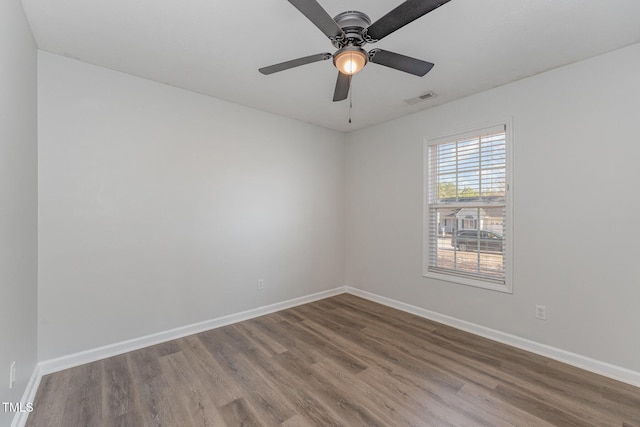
(350, 61)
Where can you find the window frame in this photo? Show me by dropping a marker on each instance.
(457, 278)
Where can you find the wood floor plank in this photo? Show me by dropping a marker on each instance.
(573, 390)
(117, 384)
(622, 399)
(411, 392)
(263, 341)
(197, 408)
(492, 408)
(532, 377)
(304, 399)
(348, 406)
(83, 407)
(222, 387)
(156, 402)
(539, 408)
(341, 361)
(299, 421)
(327, 348)
(50, 407)
(439, 357)
(436, 379)
(279, 331)
(552, 379)
(239, 413)
(385, 402)
(257, 392)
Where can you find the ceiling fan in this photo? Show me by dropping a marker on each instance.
(350, 31)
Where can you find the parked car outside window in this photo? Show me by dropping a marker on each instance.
(473, 240)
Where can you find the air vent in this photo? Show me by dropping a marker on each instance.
(421, 98)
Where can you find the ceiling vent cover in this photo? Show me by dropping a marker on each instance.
(421, 98)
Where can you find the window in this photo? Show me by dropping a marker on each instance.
(467, 208)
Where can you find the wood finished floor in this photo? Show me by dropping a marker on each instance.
(340, 361)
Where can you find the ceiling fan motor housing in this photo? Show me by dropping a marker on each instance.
(353, 24)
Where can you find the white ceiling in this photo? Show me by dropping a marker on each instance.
(215, 47)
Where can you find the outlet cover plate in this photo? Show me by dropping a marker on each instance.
(12, 374)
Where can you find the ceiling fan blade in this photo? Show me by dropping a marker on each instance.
(402, 15)
(316, 14)
(342, 87)
(400, 62)
(294, 63)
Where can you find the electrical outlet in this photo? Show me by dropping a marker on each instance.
(541, 312)
(12, 374)
(260, 284)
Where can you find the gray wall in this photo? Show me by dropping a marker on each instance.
(160, 207)
(576, 205)
(18, 202)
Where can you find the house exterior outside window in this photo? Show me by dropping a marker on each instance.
(467, 215)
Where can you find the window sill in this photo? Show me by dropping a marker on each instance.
(467, 281)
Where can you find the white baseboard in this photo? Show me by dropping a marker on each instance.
(20, 419)
(87, 356)
(596, 366)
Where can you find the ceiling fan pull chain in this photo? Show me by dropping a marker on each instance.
(350, 98)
